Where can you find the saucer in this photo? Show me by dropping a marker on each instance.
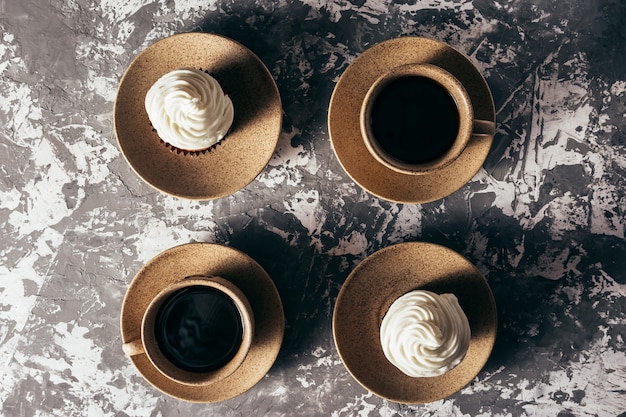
(208, 259)
(345, 133)
(377, 282)
(236, 160)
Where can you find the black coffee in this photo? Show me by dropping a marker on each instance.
(198, 329)
(414, 119)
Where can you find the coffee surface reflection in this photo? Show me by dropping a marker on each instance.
(198, 329)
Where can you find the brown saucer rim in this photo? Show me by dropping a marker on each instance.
(379, 280)
(190, 259)
(240, 157)
(344, 126)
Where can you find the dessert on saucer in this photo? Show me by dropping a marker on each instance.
(215, 115)
(424, 307)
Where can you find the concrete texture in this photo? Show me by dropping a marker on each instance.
(543, 220)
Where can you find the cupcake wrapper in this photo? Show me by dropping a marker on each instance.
(185, 152)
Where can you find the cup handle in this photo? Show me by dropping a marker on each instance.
(483, 128)
(133, 348)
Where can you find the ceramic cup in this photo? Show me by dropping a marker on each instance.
(196, 331)
(418, 118)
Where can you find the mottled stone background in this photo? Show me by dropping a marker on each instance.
(544, 220)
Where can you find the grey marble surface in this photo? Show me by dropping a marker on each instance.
(543, 220)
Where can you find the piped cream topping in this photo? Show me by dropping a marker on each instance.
(425, 334)
(189, 110)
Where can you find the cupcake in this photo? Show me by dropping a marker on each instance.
(189, 110)
(425, 334)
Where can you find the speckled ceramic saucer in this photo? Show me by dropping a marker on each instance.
(208, 259)
(235, 161)
(343, 121)
(377, 282)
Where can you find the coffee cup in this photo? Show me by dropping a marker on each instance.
(196, 331)
(418, 118)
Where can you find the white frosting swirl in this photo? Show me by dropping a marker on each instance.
(425, 334)
(189, 110)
